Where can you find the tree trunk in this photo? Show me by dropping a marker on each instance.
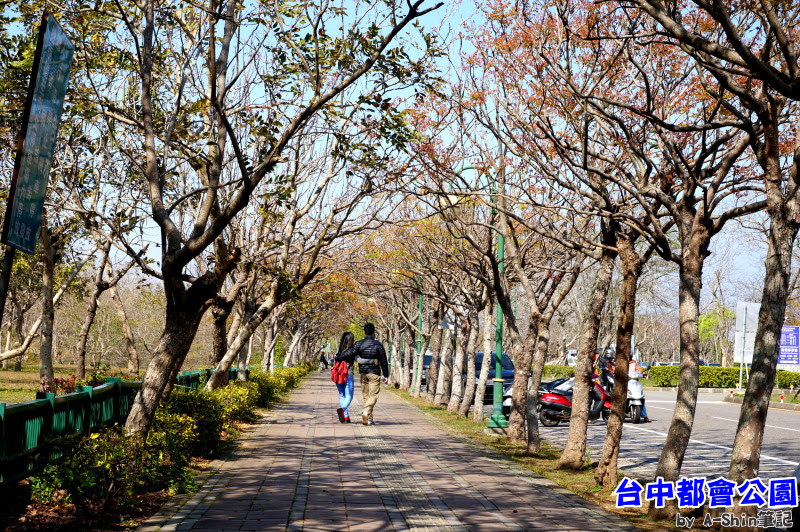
(244, 360)
(486, 363)
(445, 370)
(48, 314)
(606, 472)
(457, 378)
(130, 346)
(523, 360)
(574, 453)
(5, 348)
(784, 212)
(220, 312)
(680, 430)
(293, 354)
(83, 339)
(270, 305)
(472, 342)
(269, 346)
(432, 380)
(184, 310)
(419, 358)
(532, 422)
(244, 352)
(91, 311)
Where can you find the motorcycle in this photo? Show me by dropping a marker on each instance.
(634, 402)
(555, 405)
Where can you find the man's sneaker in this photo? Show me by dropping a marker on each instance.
(364, 419)
(340, 413)
(347, 420)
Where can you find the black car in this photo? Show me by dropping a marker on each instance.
(508, 374)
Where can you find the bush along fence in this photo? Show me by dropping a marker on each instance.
(33, 433)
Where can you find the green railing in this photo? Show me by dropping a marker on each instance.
(27, 430)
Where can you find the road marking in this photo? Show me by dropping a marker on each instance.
(661, 407)
(763, 456)
(770, 426)
(648, 401)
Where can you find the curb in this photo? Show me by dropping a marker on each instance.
(779, 406)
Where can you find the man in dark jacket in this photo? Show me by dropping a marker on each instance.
(371, 358)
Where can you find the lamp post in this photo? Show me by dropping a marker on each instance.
(497, 419)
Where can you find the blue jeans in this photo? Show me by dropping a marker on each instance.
(345, 394)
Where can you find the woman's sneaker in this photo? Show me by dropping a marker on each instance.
(340, 413)
(364, 418)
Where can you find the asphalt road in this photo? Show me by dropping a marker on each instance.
(709, 450)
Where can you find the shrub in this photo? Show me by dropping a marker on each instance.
(787, 379)
(174, 433)
(267, 387)
(556, 372)
(663, 375)
(238, 399)
(208, 414)
(107, 470)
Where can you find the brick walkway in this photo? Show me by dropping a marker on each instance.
(300, 469)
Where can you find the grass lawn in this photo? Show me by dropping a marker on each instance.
(580, 482)
(21, 386)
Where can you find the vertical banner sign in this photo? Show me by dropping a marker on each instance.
(789, 349)
(37, 139)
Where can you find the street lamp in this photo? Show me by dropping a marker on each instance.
(497, 419)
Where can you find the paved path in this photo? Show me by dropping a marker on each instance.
(300, 469)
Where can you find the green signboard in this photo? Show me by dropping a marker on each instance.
(37, 139)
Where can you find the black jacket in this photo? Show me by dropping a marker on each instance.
(371, 349)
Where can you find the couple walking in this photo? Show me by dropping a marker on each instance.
(371, 358)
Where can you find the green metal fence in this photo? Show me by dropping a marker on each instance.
(28, 430)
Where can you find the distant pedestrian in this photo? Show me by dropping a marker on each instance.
(344, 383)
(372, 363)
(323, 360)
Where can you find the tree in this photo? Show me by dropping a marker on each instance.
(195, 106)
(754, 59)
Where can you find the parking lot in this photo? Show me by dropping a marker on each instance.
(709, 450)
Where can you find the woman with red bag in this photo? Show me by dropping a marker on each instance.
(342, 375)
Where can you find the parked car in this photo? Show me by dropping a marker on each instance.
(508, 374)
(426, 363)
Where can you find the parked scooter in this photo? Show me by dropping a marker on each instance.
(634, 402)
(555, 406)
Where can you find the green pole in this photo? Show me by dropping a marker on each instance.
(418, 365)
(498, 420)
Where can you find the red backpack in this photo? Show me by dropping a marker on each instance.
(339, 372)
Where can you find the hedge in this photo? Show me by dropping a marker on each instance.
(556, 372)
(716, 377)
(710, 376)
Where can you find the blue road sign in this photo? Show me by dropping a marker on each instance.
(789, 351)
